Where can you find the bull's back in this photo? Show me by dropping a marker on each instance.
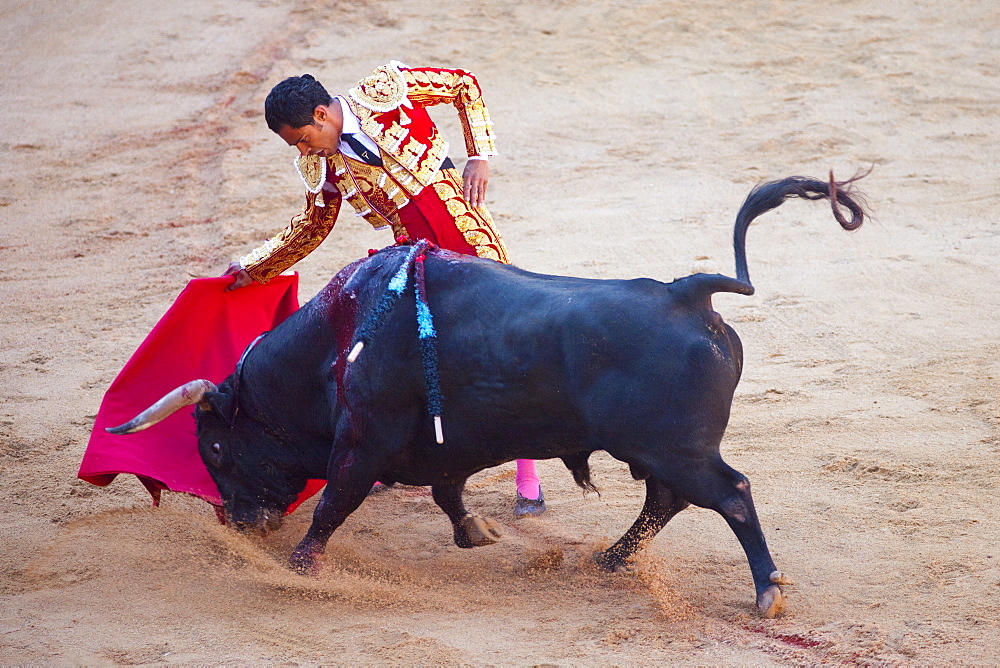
(578, 359)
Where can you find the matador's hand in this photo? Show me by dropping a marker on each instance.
(475, 177)
(242, 277)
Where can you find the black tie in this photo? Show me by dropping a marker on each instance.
(364, 153)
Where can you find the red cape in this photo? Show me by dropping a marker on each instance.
(202, 335)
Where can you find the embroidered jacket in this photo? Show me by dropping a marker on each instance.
(391, 107)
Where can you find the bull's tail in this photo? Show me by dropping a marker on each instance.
(771, 195)
(579, 466)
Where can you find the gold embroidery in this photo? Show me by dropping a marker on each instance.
(435, 155)
(446, 190)
(475, 224)
(455, 205)
(395, 134)
(366, 190)
(410, 154)
(460, 88)
(312, 170)
(383, 90)
(337, 164)
(418, 77)
(305, 231)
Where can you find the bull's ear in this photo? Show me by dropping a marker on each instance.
(219, 403)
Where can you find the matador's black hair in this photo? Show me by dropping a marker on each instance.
(292, 102)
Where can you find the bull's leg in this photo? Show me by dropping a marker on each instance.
(661, 505)
(470, 530)
(727, 491)
(350, 475)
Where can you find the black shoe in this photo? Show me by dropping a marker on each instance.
(529, 507)
(379, 487)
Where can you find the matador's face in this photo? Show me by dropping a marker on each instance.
(322, 137)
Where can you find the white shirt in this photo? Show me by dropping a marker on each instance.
(352, 126)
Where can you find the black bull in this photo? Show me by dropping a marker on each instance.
(531, 366)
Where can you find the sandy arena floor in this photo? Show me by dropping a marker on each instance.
(136, 157)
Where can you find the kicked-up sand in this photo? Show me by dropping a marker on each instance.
(136, 157)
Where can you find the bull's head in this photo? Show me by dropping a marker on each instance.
(237, 450)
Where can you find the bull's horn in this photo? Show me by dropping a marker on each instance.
(187, 394)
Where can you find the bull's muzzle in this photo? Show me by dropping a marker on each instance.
(187, 394)
(262, 523)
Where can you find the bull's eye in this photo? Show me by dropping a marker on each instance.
(216, 448)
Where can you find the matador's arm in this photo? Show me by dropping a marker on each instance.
(302, 235)
(430, 85)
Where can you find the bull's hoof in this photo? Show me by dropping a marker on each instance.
(771, 602)
(611, 563)
(476, 531)
(305, 563)
(779, 578)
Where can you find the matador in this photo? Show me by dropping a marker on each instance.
(377, 148)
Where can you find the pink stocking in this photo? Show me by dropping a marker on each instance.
(527, 479)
